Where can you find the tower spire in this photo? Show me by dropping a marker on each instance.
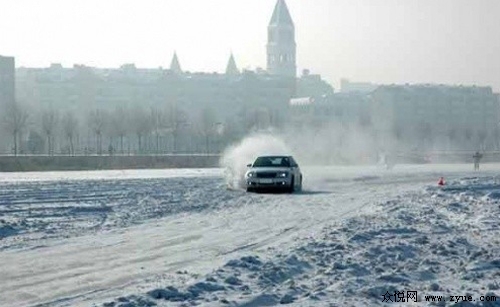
(174, 65)
(281, 15)
(281, 47)
(231, 68)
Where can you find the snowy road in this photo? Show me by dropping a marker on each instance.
(74, 239)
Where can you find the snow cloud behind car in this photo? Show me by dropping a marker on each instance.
(236, 158)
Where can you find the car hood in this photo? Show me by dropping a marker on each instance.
(269, 169)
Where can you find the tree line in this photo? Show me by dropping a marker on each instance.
(119, 131)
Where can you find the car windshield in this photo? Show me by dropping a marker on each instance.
(272, 162)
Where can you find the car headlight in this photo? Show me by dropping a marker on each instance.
(283, 175)
(251, 174)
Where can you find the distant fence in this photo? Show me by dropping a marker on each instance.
(58, 163)
(23, 163)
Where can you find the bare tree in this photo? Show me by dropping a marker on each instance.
(142, 127)
(177, 119)
(96, 121)
(35, 143)
(16, 120)
(70, 127)
(49, 125)
(208, 126)
(158, 123)
(120, 124)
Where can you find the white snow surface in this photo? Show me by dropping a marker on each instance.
(181, 238)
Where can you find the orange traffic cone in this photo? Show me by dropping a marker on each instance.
(441, 182)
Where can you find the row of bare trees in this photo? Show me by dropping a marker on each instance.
(15, 120)
(123, 130)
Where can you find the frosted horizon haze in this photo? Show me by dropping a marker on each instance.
(380, 41)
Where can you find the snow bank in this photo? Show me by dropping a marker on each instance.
(21, 177)
(438, 241)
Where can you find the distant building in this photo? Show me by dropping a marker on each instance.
(312, 85)
(281, 46)
(301, 101)
(7, 80)
(347, 86)
(228, 93)
(351, 109)
(422, 117)
(83, 87)
(438, 116)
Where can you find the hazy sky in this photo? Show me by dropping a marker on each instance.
(383, 41)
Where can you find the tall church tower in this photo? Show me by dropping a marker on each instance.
(281, 47)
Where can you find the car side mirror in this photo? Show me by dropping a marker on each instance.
(249, 165)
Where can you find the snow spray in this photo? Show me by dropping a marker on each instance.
(236, 157)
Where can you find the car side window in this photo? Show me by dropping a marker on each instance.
(293, 163)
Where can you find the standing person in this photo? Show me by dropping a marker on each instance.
(477, 157)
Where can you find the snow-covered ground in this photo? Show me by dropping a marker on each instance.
(181, 238)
